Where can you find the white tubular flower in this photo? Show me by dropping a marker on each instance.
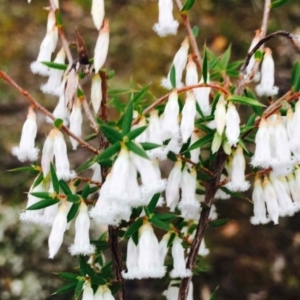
(82, 238)
(179, 265)
(88, 293)
(131, 260)
(294, 132)
(26, 149)
(286, 205)
(191, 76)
(262, 155)
(221, 194)
(142, 138)
(237, 176)
(47, 47)
(259, 207)
(76, 122)
(173, 290)
(188, 204)
(174, 145)
(47, 155)
(203, 250)
(107, 294)
(163, 247)
(195, 154)
(271, 201)
(96, 92)
(171, 114)
(58, 229)
(101, 48)
(179, 63)
(202, 97)
(294, 189)
(232, 125)
(99, 293)
(33, 216)
(53, 85)
(266, 86)
(50, 212)
(98, 12)
(252, 59)
(220, 115)
(61, 158)
(149, 260)
(70, 87)
(188, 117)
(172, 190)
(60, 111)
(166, 24)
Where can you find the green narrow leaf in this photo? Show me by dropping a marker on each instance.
(218, 222)
(149, 146)
(58, 18)
(38, 180)
(86, 165)
(258, 55)
(173, 76)
(136, 132)
(24, 169)
(139, 95)
(127, 118)
(214, 103)
(135, 238)
(54, 178)
(65, 188)
(58, 123)
(66, 288)
(171, 239)
(73, 198)
(278, 3)
(55, 65)
(188, 5)
(160, 224)
(153, 202)
(43, 203)
(196, 31)
(224, 60)
(109, 152)
(41, 195)
(72, 212)
(90, 137)
(113, 92)
(201, 142)
(296, 77)
(134, 227)
(78, 288)
(166, 216)
(111, 134)
(82, 265)
(244, 100)
(85, 191)
(214, 294)
(68, 276)
(205, 66)
(136, 149)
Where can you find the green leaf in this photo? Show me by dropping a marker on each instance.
(136, 149)
(296, 77)
(41, 195)
(58, 123)
(134, 227)
(205, 66)
(160, 224)
(188, 5)
(90, 137)
(58, 18)
(82, 265)
(153, 202)
(171, 239)
(109, 152)
(54, 178)
(111, 134)
(65, 188)
(30, 169)
(139, 95)
(113, 92)
(66, 288)
(79, 288)
(43, 203)
(214, 294)
(224, 59)
(68, 276)
(73, 198)
(258, 55)
(127, 118)
(173, 76)
(251, 120)
(73, 211)
(38, 180)
(278, 3)
(244, 100)
(136, 132)
(201, 142)
(196, 31)
(85, 191)
(149, 146)
(166, 216)
(55, 65)
(218, 222)
(86, 165)
(214, 103)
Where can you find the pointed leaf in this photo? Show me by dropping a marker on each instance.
(43, 203)
(38, 180)
(86, 191)
(166, 216)
(149, 146)
(296, 77)
(66, 288)
(160, 224)
(73, 211)
(79, 288)
(196, 31)
(153, 202)
(134, 227)
(65, 188)
(68, 276)
(139, 95)
(127, 118)
(73, 198)
(244, 100)
(188, 5)
(82, 265)
(54, 178)
(214, 294)
(136, 149)
(224, 60)
(41, 195)
(173, 76)
(56, 66)
(111, 134)
(109, 152)
(86, 165)
(206, 139)
(218, 222)
(278, 3)
(136, 132)
(171, 239)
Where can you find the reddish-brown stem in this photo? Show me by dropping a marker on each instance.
(89, 114)
(86, 179)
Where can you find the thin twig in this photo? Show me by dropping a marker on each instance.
(47, 113)
(86, 179)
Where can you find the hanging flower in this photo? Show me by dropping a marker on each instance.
(76, 122)
(232, 130)
(188, 117)
(202, 97)
(131, 260)
(251, 63)
(166, 24)
(88, 293)
(96, 92)
(220, 115)
(191, 77)
(195, 154)
(98, 12)
(173, 184)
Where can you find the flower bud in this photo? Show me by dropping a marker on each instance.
(98, 12)
(101, 48)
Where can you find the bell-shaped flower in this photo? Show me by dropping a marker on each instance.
(179, 63)
(220, 194)
(266, 86)
(163, 247)
(191, 76)
(98, 12)
(26, 149)
(99, 293)
(294, 189)
(173, 291)
(58, 229)
(70, 87)
(232, 130)
(195, 154)
(61, 157)
(174, 145)
(107, 295)
(96, 92)
(259, 206)
(202, 97)
(188, 204)
(101, 48)
(188, 117)
(53, 85)
(88, 293)
(179, 265)
(203, 250)
(166, 24)
(173, 185)
(76, 122)
(220, 115)
(271, 200)
(131, 260)
(237, 177)
(48, 154)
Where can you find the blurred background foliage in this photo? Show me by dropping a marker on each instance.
(245, 261)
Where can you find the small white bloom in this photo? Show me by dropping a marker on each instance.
(294, 189)
(173, 290)
(172, 190)
(163, 247)
(174, 145)
(26, 149)
(271, 200)
(97, 176)
(166, 24)
(203, 250)
(232, 125)
(220, 115)
(47, 155)
(142, 138)
(99, 293)
(179, 63)
(131, 260)
(191, 76)
(107, 295)
(188, 117)
(98, 12)
(96, 92)
(266, 86)
(202, 97)
(101, 48)
(70, 87)
(88, 293)
(195, 154)
(58, 229)
(76, 122)
(50, 212)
